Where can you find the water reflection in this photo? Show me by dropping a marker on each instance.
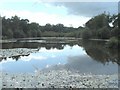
(42, 59)
(83, 56)
(98, 51)
(85, 64)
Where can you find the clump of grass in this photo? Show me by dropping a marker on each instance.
(113, 42)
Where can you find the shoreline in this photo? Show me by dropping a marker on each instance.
(58, 79)
(48, 38)
(4, 53)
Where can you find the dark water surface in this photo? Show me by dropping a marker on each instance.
(81, 56)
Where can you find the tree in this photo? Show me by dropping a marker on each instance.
(15, 23)
(103, 33)
(34, 30)
(114, 20)
(98, 22)
(48, 27)
(86, 34)
(24, 26)
(115, 32)
(18, 34)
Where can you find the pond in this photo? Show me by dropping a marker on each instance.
(75, 55)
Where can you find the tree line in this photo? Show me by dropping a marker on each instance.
(103, 26)
(15, 27)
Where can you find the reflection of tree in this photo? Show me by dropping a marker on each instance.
(95, 49)
(53, 45)
(2, 58)
(36, 45)
(48, 45)
(16, 57)
(98, 51)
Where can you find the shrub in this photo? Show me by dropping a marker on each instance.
(113, 42)
(86, 34)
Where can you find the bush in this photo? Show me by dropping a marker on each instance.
(103, 33)
(86, 34)
(113, 42)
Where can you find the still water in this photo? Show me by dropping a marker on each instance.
(81, 56)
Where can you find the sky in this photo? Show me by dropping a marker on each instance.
(70, 13)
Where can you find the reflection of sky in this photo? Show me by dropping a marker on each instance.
(42, 59)
(73, 58)
(85, 64)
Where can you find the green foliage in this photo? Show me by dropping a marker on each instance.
(98, 51)
(103, 33)
(18, 34)
(119, 20)
(50, 34)
(86, 34)
(96, 28)
(100, 28)
(98, 22)
(115, 32)
(113, 42)
(15, 27)
(8, 33)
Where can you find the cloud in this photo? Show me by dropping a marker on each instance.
(33, 58)
(67, 13)
(89, 9)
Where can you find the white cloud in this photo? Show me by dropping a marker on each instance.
(33, 58)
